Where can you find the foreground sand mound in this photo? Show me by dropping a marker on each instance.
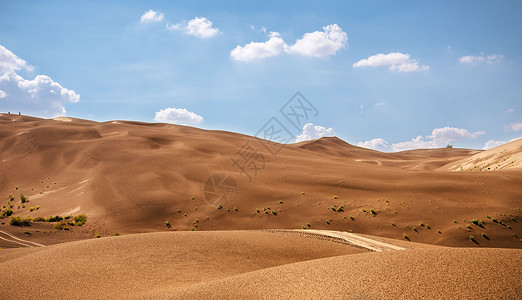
(441, 273)
(507, 156)
(123, 266)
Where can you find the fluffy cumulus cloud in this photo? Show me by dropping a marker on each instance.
(471, 60)
(314, 44)
(492, 144)
(320, 43)
(254, 51)
(41, 96)
(312, 132)
(514, 127)
(396, 61)
(10, 62)
(151, 17)
(177, 116)
(439, 138)
(376, 144)
(199, 27)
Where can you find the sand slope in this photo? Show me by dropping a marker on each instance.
(131, 177)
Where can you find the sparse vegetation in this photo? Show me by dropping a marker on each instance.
(23, 199)
(53, 219)
(61, 226)
(373, 212)
(17, 221)
(39, 219)
(472, 238)
(485, 236)
(280, 202)
(11, 198)
(97, 235)
(405, 236)
(192, 228)
(303, 227)
(80, 219)
(167, 224)
(6, 213)
(257, 210)
(392, 224)
(219, 207)
(352, 218)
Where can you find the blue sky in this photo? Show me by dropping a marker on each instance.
(390, 75)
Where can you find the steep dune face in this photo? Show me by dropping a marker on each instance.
(131, 177)
(507, 156)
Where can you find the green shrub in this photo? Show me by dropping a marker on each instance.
(6, 213)
(219, 206)
(167, 223)
(23, 199)
(39, 219)
(303, 227)
(11, 198)
(61, 226)
(485, 236)
(17, 221)
(68, 217)
(392, 224)
(192, 228)
(97, 235)
(53, 219)
(352, 218)
(475, 221)
(373, 212)
(405, 236)
(116, 234)
(80, 219)
(274, 212)
(308, 224)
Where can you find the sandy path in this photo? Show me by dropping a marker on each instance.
(11, 238)
(350, 238)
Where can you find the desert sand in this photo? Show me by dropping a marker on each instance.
(130, 178)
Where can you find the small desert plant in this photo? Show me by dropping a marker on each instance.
(373, 212)
(11, 198)
(475, 221)
(116, 234)
(439, 232)
(61, 225)
(428, 226)
(303, 227)
(97, 235)
(219, 206)
(405, 236)
(454, 221)
(68, 217)
(53, 219)
(488, 217)
(80, 219)
(363, 210)
(39, 219)
(468, 227)
(421, 224)
(494, 220)
(308, 225)
(23, 199)
(236, 209)
(192, 228)
(17, 221)
(352, 218)
(340, 209)
(274, 212)
(414, 229)
(334, 196)
(179, 211)
(280, 202)
(257, 210)
(28, 233)
(392, 224)
(485, 236)
(472, 238)
(6, 213)
(167, 223)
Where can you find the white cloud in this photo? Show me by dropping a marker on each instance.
(41, 96)
(151, 16)
(2, 94)
(177, 116)
(470, 59)
(255, 51)
(396, 61)
(320, 43)
(514, 127)
(199, 27)
(382, 103)
(492, 144)
(508, 111)
(376, 144)
(440, 137)
(315, 44)
(312, 132)
(10, 62)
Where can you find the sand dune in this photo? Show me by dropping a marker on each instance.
(507, 156)
(373, 221)
(131, 177)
